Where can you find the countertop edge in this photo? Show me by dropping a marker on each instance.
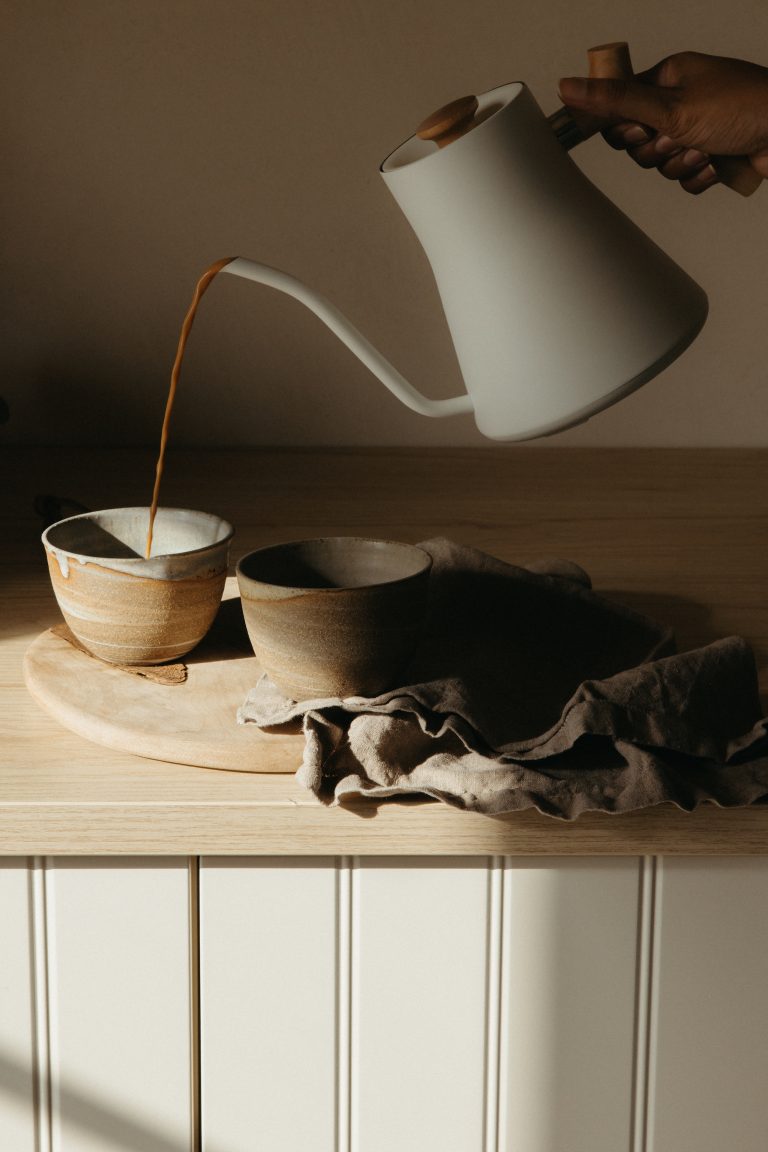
(428, 829)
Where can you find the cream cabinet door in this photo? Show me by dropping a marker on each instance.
(574, 943)
(363, 1005)
(344, 1004)
(19, 1072)
(269, 1004)
(465, 1005)
(119, 1005)
(419, 1004)
(708, 1087)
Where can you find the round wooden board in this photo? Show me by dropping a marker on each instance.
(191, 723)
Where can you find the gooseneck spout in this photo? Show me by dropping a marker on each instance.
(349, 335)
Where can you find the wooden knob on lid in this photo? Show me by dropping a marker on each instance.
(449, 122)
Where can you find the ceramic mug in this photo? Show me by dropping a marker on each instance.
(127, 609)
(334, 617)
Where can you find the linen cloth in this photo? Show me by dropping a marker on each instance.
(528, 689)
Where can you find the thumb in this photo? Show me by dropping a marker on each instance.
(615, 100)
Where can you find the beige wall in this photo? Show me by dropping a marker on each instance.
(146, 139)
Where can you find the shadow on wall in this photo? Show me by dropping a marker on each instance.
(100, 1121)
(88, 402)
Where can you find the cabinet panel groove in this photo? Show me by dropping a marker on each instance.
(647, 925)
(40, 1004)
(654, 1001)
(195, 1051)
(503, 1120)
(494, 968)
(344, 1001)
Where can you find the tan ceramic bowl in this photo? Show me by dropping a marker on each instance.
(334, 617)
(130, 610)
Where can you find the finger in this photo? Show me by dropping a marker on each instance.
(666, 146)
(759, 161)
(627, 135)
(618, 100)
(648, 156)
(684, 165)
(700, 181)
(657, 151)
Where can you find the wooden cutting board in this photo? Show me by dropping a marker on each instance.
(189, 723)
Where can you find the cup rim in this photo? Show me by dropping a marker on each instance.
(137, 560)
(424, 569)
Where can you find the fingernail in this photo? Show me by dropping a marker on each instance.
(636, 134)
(700, 181)
(573, 89)
(706, 176)
(666, 145)
(694, 159)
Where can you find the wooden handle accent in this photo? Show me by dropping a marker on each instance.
(612, 62)
(606, 62)
(449, 122)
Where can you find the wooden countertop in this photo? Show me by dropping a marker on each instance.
(679, 534)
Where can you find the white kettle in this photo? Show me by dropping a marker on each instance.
(558, 305)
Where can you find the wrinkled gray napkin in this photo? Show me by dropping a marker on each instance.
(529, 690)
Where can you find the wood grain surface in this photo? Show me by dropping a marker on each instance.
(193, 722)
(680, 535)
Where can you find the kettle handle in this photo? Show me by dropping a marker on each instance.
(612, 62)
(349, 335)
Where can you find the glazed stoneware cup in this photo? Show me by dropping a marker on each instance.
(127, 609)
(334, 617)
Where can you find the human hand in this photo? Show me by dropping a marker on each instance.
(676, 115)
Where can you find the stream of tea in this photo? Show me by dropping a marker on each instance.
(200, 288)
